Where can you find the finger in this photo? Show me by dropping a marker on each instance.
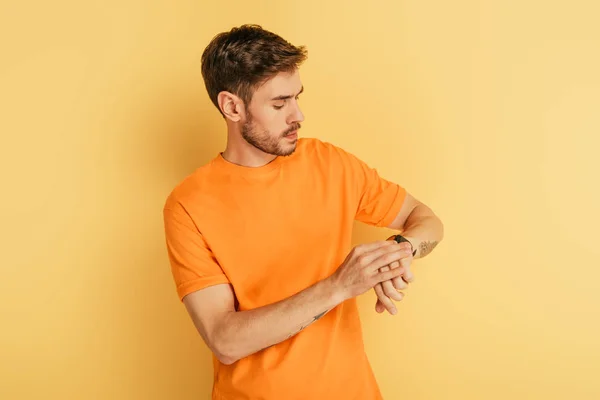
(387, 275)
(397, 283)
(365, 259)
(386, 258)
(369, 247)
(390, 291)
(379, 307)
(406, 264)
(400, 283)
(386, 301)
(388, 287)
(403, 244)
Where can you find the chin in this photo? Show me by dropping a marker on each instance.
(287, 151)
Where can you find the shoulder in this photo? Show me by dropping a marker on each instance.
(322, 149)
(331, 155)
(190, 188)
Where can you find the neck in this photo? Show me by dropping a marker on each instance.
(240, 152)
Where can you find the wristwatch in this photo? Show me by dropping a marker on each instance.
(400, 239)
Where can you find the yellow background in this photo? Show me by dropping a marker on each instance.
(488, 111)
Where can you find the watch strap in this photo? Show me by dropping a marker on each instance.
(400, 239)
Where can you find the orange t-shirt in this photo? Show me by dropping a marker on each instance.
(271, 232)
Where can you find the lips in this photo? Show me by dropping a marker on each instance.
(292, 135)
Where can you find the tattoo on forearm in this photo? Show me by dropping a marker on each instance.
(319, 315)
(426, 248)
(316, 317)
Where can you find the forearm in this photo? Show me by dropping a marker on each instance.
(243, 333)
(424, 230)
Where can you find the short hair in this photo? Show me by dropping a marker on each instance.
(242, 59)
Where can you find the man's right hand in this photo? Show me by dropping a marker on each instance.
(360, 271)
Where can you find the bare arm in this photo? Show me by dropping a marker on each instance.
(420, 225)
(424, 230)
(232, 335)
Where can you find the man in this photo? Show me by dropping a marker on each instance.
(259, 238)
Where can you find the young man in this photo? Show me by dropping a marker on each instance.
(259, 238)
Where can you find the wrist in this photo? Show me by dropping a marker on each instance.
(412, 241)
(335, 292)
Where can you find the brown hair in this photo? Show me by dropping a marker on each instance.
(242, 59)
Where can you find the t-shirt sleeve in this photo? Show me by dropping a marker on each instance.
(379, 199)
(193, 264)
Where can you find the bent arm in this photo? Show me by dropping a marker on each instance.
(232, 335)
(420, 225)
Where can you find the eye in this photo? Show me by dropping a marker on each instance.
(278, 107)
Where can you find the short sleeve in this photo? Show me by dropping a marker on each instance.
(193, 264)
(379, 200)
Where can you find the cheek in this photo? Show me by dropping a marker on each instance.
(264, 115)
(274, 120)
(268, 119)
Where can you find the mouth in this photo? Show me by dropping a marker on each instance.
(292, 135)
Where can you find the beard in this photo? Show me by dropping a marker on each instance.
(266, 142)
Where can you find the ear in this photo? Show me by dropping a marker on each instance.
(231, 106)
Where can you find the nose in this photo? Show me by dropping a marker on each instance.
(296, 114)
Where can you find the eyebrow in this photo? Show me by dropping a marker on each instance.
(284, 97)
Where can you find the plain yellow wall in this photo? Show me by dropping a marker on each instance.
(487, 111)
